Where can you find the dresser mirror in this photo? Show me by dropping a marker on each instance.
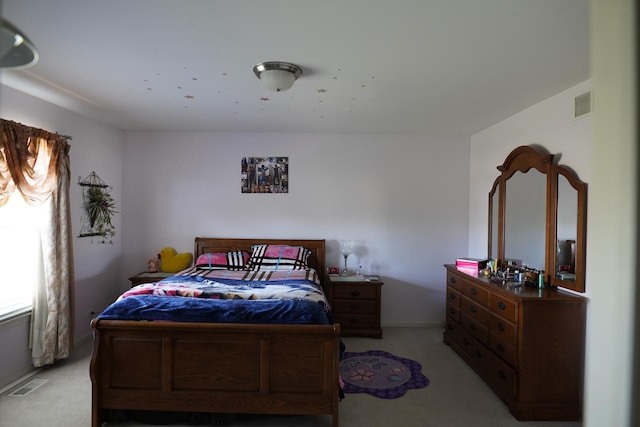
(525, 218)
(494, 198)
(537, 215)
(569, 257)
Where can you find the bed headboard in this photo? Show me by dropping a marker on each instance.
(205, 245)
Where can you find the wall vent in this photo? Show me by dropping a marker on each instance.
(27, 388)
(582, 105)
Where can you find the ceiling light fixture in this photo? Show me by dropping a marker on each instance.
(16, 50)
(277, 76)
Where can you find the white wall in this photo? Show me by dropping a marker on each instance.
(403, 198)
(94, 147)
(612, 257)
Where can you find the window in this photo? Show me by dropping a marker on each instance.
(19, 258)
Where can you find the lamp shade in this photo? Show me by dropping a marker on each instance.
(16, 50)
(277, 80)
(277, 76)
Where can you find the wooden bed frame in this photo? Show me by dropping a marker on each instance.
(215, 367)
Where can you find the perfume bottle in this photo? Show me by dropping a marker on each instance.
(359, 270)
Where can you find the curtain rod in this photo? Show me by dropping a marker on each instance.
(67, 137)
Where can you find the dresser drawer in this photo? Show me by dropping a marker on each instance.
(475, 311)
(505, 349)
(476, 293)
(504, 307)
(453, 311)
(454, 281)
(460, 336)
(453, 297)
(477, 329)
(345, 291)
(354, 306)
(497, 372)
(507, 331)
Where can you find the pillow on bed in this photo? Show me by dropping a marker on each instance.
(278, 257)
(234, 260)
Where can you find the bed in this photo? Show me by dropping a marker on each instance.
(211, 367)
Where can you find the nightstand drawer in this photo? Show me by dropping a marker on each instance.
(354, 306)
(344, 291)
(353, 322)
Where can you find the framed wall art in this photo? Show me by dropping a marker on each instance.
(264, 174)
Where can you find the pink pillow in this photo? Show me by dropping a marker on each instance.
(278, 257)
(235, 260)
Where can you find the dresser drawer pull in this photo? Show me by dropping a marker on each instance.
(465, 341)
(474, 291)
(473, 309)
(452, 280)
(501, 305)
(472, 327)
(500, 326)
(450, 326)
(355, 306)
(355, 294)
(478, 354)
(354, 320)
(452, 296)
(452, 311)
(500, 348)
(502, 375)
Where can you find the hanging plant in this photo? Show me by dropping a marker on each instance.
(100, 208)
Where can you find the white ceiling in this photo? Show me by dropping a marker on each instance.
(370, 66)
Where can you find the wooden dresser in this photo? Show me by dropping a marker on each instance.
(526, 343)
(355, 304)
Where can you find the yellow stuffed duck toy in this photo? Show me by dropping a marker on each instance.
(173, 262)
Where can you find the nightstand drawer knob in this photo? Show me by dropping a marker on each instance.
(501, 305)
(355, 320)
(355, 294)
(452, 280)
(355, 306)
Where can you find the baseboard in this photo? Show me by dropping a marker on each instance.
(429, 324)
(19, 381)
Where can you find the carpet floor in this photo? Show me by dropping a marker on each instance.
(455, 396)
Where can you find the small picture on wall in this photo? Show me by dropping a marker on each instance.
(264, 175)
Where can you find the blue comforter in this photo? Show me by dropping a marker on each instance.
(185, 309)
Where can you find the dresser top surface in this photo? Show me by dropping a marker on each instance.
(521, 291)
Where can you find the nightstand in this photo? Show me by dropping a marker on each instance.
(146, 277)
(355, 303)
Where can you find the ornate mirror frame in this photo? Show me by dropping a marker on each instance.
(559, 180)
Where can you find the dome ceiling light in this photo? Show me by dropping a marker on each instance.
(16, 50)
(277, 76)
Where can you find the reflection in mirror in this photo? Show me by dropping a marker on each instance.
(494, 209)
(525, 218)
(566, 230)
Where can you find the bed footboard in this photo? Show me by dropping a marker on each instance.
(210, 367)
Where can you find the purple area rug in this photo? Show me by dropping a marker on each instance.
(380, 374)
